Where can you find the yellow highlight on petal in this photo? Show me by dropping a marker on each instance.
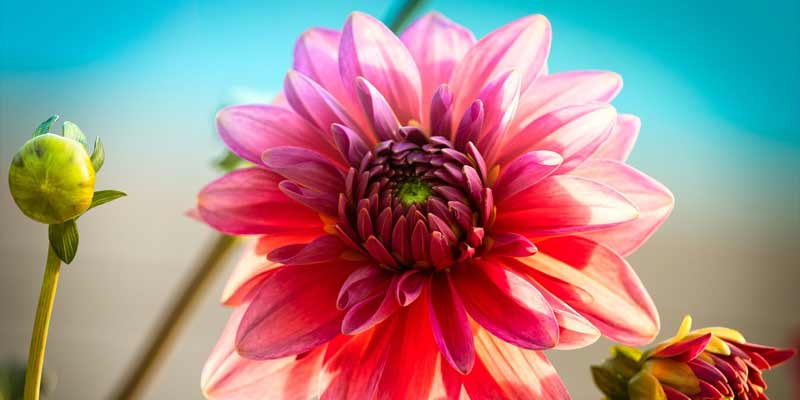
(724, 333)
(645, 386)
(686, 326)
(673, 373)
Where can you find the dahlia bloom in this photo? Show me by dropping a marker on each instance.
(432, 212)
(710, 363)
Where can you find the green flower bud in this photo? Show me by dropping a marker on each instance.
(52, 179)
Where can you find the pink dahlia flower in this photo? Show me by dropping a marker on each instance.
(432, 213)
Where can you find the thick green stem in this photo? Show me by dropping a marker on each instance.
(33, 375)
(174, 319)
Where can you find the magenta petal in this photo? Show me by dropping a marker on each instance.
(248, 201)
(294, 312)
(619, 145)
(599, 284)
(349, 143)
(316, 55)
(249, 130)
(306, 168)
(500, 98)
(511, 245)
(685, 350)
(228, 376)
(505, 371)
(362, 283)
(564, 204)
(410, 286)
(371, 311)
(323, 249)
(522, 45)
(314, 103)
(450, 325)
(653, 200)
(441, 117)
(506, 305)
(470, 127)
(551, 92)
(524, 172)
(370, 50)
(574, 132)
(379, 113)
(436, 44)
(323, 203)
(574, 331)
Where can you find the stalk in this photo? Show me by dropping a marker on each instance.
(33, 374)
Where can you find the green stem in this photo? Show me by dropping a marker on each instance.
(33, 375)
(175, 318)
(403, 14)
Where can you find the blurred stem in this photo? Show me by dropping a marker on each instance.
(33, 375)
(403, 14)
(176, 317)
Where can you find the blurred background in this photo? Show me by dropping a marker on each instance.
(717, 86)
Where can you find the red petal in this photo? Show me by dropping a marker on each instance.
(451, 329)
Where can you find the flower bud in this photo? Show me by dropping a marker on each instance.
(51, 179)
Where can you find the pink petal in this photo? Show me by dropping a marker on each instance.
(551, 92)
(619, 145)
(247, 201)
(379, 113)
(448, 319)
(564, 204)
(323, 203)
(371, 311)
(228, 376)
(522, 45)
(410, 286)
(314, 103)
(574, 132)
(249, 130)
(511, 245)
(325, 248)
(599, 284)
(436, 44)
(653, 200)
(316, 54)
(306, 168)
(253, 264)
(500, 98)
(685, 350)
(505, 371)
(369, 49)
(355, 370)
(294, 311)
(524, 172)
(506, 305)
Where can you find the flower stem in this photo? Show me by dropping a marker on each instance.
(403, 14)
(174, 319)
(33, 375)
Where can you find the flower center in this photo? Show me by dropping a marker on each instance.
(414, 191)
(416, 202)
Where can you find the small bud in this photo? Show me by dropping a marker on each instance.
(51, 178)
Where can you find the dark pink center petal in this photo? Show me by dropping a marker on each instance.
(506, 305)
(685, 350)
(450, 325)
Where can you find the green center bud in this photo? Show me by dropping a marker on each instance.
(413, 192)
(52, 179)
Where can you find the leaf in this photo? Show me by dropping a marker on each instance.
(229, 162)
(44, 127)
(612, 385)
(64, 240)
(104, 196)
(98, 155)
(71, 131)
